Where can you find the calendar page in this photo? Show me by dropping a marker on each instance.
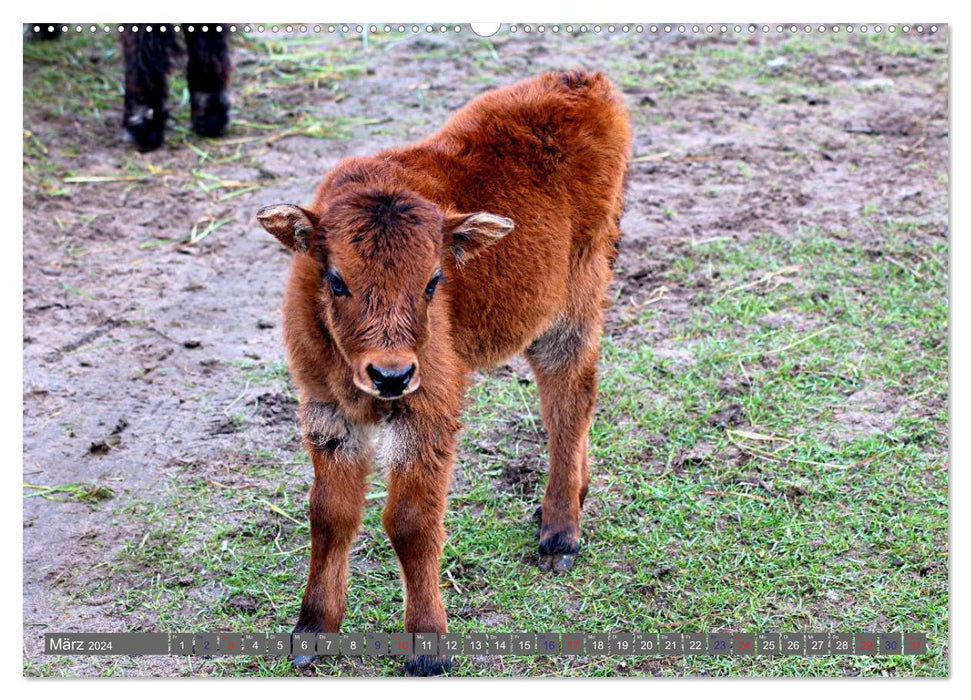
(517, 349)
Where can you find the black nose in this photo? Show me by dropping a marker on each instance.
(390, 382)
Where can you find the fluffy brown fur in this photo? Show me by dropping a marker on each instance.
(516, 202)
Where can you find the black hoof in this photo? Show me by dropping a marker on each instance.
(303, 663)
(146, 126)
(428, 665)
(556, 562)
(557, 552)
(210, 113)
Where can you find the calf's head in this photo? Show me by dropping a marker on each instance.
(381, 253)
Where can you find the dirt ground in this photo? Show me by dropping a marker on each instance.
(151, 295)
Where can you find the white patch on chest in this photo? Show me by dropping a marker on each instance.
(394, 445)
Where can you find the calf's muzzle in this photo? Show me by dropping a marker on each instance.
(390, 383)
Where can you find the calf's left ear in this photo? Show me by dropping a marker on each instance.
(292, 225)
(466, 235)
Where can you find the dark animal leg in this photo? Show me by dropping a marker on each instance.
(146, 66)
(342, 458)
(418, 475)
(208, 76)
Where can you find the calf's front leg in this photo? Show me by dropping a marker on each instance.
(342, 458)
(418, 463)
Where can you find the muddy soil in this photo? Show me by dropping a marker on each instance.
(133, 337)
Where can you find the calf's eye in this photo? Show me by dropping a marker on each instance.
(430, 287)
(337, 286)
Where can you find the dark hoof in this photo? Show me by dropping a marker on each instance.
(557, 552)
(556, 562)
(428, 665)
(146, 126)
(210, 113)
(303, 663)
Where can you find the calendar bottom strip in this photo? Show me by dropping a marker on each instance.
(487, 644)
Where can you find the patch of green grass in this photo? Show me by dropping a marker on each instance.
(897, 44)
(770, 69)
(81, 493)
(262, 372)
(67, 77)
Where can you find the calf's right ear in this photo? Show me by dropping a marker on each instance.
(292, 225)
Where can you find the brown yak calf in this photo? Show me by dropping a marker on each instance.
(418, 265)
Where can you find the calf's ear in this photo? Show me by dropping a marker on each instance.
(466, 235)
(292, 225)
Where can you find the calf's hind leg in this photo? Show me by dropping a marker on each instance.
(564, 360)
